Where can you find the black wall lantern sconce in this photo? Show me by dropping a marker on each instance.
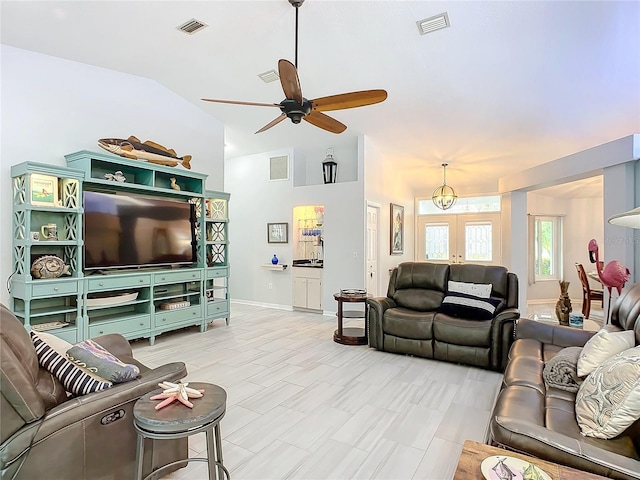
(329, 167)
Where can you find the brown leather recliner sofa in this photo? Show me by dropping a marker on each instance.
(529, 417)
(408, 319)
(44, 434)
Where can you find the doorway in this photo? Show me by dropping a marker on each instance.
(373, 226)
(459, 238)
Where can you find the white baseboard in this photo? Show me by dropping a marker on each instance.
(289, 308)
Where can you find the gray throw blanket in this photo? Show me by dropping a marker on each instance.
(561, 371)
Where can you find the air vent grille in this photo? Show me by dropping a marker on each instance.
(431, 24)
(279, 168)
(192, 26)
(270, 76)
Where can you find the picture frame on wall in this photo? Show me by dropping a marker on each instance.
(44, 190)
(397, 229)
(277, 232)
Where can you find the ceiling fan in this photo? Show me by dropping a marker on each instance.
(298, 108)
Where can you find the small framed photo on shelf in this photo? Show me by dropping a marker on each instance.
(397, 229)
(277, 232)
(44, 190)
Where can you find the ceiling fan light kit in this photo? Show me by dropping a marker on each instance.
(444, 197)
(297, 108)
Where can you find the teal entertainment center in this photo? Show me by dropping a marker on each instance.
(134, 298)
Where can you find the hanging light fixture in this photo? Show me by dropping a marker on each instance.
(629, 219)
(329, 167)
(444, 196)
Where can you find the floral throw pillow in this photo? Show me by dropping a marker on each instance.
(93, 356)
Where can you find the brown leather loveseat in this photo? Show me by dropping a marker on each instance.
(45, 435)
(541, 421)
(411, 318)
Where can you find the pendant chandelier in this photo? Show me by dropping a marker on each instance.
(444, 196)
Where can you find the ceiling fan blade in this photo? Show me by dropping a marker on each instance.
(325, 122)
(276, 121)
(289, 80)
(349, 100)
(234, 102)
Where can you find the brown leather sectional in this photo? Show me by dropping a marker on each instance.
(531, 418)
(408, 319)
(44, 435)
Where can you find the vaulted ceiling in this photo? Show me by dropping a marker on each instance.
(509, 85)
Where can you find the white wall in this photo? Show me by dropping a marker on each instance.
(256, 201)
(52, 107)
(383, 186)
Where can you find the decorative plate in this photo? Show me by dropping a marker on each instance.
(99, 300)
(500, 467)
(353, 291)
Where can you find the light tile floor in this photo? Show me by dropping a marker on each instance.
(301, 406)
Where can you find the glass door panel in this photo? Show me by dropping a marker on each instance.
(463, 238)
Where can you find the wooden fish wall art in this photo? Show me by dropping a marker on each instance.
(147, 152)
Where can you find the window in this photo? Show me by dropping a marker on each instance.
(547, 247)
(436, 241)
(485, 204)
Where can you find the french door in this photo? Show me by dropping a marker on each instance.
(460, 238)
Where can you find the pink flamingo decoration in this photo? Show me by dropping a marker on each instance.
(613, 275)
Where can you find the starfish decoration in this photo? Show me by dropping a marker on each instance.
(176, 391)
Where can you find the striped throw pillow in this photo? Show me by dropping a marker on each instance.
(469, 307)
(75, 379)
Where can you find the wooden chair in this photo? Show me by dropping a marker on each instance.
(588, 294)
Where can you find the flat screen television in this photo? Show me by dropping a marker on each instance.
(126, 230)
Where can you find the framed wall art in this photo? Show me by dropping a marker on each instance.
(44, 190)
(397, 229)
(277, 232)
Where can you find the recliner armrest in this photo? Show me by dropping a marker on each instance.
(524, 435)
(502, 336)
(377, 307)
(558, 335)
(79, 408)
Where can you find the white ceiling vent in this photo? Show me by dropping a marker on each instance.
(279, 168)
(270, 76)
(192, 26)
(431, 24)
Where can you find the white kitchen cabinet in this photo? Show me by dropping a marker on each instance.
(307, 288)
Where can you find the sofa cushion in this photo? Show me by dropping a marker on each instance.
(602, 346)
(469, 306)
(418, 299)
(458, 331)
(405, 323)
(608, 401)
(494, 275)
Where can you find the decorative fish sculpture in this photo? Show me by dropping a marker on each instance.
(147, 152)
(532, 473)
(49, 266)
(503, 471)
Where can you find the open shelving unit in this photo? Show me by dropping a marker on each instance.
(140, 303)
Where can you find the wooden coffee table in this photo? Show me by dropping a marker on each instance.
(473, 453)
